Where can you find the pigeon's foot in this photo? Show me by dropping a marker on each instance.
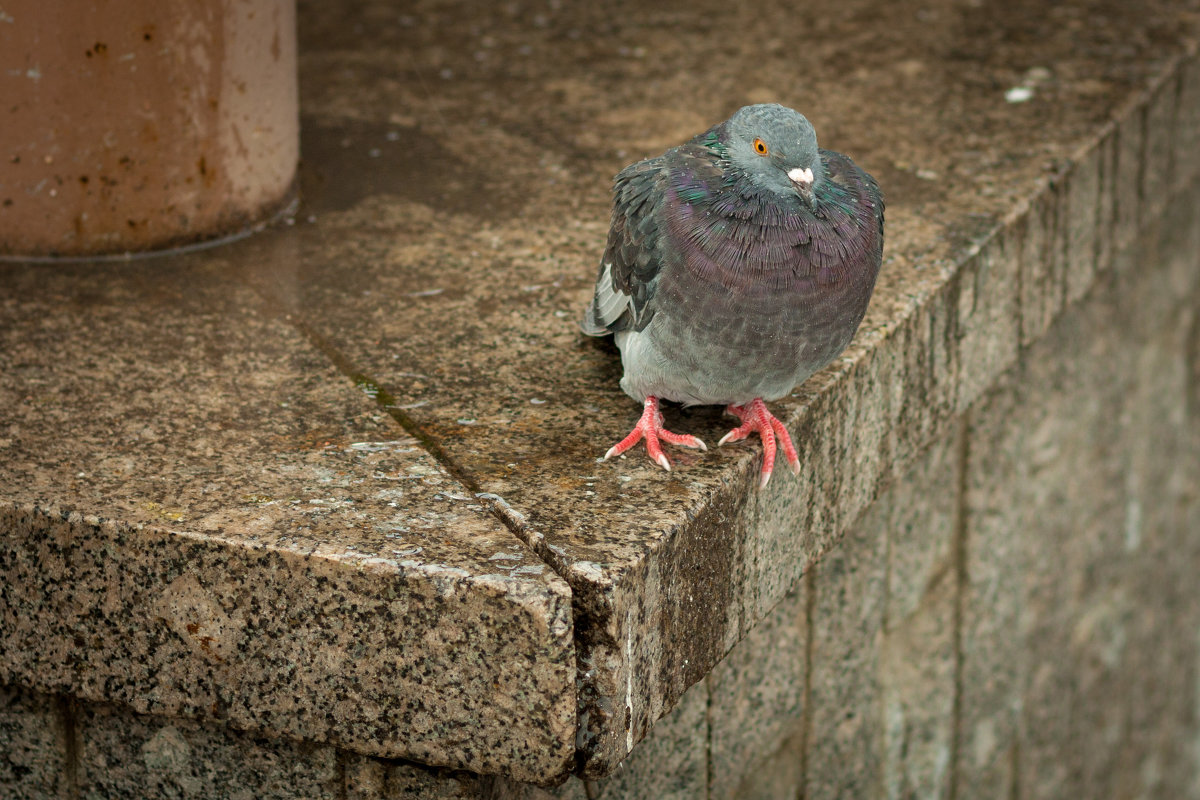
(650, 427)
(757, 419)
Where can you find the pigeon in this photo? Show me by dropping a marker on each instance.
(737, 265)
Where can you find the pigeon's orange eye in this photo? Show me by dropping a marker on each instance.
(760, 147)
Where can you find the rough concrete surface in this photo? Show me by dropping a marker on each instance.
(455, 183)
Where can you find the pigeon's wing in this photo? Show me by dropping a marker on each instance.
(646, 194)
(631, 262)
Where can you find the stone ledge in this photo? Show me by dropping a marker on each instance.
(444, 273)
(203, 519)
(669, 571)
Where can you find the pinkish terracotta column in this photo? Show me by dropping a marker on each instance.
(131, 125)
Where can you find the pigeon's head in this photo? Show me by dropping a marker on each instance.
(776, 147)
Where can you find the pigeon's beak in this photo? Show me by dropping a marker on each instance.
(802, 179)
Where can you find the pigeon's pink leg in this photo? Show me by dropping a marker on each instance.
(757, 419)
(650, 427)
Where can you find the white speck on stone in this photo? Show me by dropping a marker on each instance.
(426, 293)
(1019, 94)
(927, 175)
(537, 401)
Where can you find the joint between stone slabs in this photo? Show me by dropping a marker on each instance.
(810, 607)
(961, 579)
(511, 518)
(382, 398)
(709, 769)
(68, 720)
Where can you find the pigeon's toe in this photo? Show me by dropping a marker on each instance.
(757, 419)
(650, 428)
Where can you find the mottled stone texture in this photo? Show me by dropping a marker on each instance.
(337, 484)
(231, 531)
(123, 755)
(1017, 615)
(453, 269)
(36, 752)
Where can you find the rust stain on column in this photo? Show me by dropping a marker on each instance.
(143, 124)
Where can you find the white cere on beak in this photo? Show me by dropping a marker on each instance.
(801, 176)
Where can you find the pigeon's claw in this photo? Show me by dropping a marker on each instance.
(757, 419)
(650, 427)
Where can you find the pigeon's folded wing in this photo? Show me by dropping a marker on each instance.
(643, 196)
(631, 262)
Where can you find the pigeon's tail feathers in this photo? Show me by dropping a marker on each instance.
(607, 306)
(591, 325)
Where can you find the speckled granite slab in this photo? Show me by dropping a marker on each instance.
(201, 517)
(457, 165)
(464, 256)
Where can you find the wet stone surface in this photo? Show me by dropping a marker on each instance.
(458, 289)
(400, 368)
(203, 518)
